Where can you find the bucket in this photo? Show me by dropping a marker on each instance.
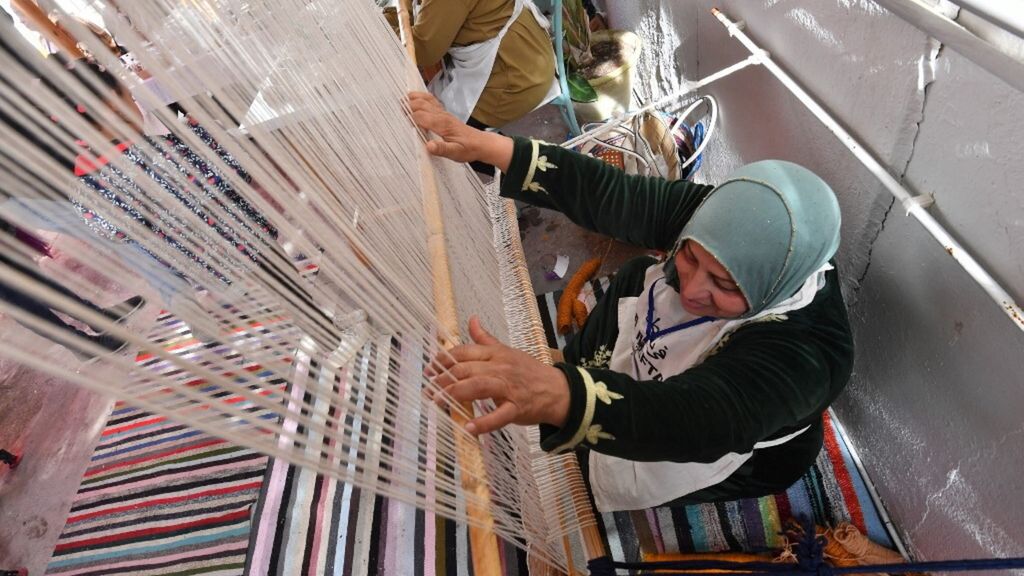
(615, 89)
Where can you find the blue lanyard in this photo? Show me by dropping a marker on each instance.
(651, 334)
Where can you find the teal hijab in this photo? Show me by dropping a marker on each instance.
(771, 224)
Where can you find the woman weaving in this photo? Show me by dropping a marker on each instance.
(699, 378)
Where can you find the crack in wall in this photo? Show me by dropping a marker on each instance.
(871, 246)
(696, 40)
(935, 497)
(958, 502)
(926, 72)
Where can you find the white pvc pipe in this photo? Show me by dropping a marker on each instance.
(912, 204)
(1007, 15)
(927, 18)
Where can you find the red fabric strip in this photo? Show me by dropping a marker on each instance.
(133, 425)
(158, 455)
(843, 475)
(83, 165)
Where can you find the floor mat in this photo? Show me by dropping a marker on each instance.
(309, 524)
(159, 497)
(306, 524)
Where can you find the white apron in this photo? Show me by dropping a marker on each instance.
(466, 69)
(620, 484)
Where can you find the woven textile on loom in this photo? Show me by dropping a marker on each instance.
(334, 166)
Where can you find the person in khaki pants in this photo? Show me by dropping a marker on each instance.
(495, 57)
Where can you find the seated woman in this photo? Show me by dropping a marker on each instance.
(699, 377)
(496, 57)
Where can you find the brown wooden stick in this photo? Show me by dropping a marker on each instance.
(484, 542)
(405, 29)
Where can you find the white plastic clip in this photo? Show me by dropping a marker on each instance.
(919, 201)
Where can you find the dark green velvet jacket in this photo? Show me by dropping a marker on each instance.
(766, 380)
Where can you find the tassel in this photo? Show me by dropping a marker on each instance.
(572, 290)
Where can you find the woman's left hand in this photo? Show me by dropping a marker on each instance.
(524, 390)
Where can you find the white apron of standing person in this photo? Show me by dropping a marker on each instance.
(465, 70)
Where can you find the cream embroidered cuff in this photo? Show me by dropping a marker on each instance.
(584, 394)
(538, 162)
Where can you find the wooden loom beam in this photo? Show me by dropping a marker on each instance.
(483, 540)
(29, 11)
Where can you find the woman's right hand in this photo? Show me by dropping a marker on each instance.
(458, 141)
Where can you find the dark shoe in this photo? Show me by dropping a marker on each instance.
(83, 356)
(9, 458)
(119, 313)
(111, 344)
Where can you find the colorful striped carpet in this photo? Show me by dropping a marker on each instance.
(161, 498)
(308, 525)
(311, 525)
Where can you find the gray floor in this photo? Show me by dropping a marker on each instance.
(56, 424)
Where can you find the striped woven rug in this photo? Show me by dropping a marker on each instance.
(161, 498)
(308, 525)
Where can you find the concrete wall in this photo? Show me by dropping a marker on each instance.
(935, 406)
